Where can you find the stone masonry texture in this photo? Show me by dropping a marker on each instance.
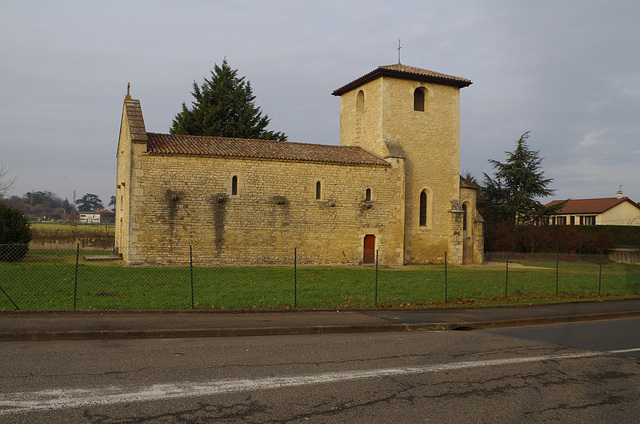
(256, 209)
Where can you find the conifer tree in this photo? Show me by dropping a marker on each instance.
(510, 197)
(89, 202)
(224, 106)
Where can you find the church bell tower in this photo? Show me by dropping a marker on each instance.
(403, 111)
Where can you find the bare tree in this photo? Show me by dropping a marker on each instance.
(5, 182)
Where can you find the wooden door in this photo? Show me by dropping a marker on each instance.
(369, 249)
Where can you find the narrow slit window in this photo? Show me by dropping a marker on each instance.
(367, 195)
(318, 190)
(234, 185)
(419, 100)
(423, 209)
(464, 217)
(360, 103)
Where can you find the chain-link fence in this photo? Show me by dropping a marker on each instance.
(84, 280)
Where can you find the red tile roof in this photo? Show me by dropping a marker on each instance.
(404, 72)
(591, 205)
(192, 145)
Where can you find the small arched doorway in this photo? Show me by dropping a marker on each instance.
(369, 249)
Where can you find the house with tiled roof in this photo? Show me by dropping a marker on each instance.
(603, 211)
(91, 217)
(99, 216)
(390, 191)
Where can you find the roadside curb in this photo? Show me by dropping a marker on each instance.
(17, 336)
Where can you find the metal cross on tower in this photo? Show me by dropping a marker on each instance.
(399, 47)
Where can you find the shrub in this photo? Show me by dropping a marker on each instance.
(14, 234)
(499, 238)
(548, 239)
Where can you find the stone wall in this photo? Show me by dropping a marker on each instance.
(132, 145)
(170, 202)
(430, 142)
(187, 201)
(473, 252)
(69, 243)
(625, 256)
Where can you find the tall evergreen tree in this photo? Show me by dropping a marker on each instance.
(89, 203)
(510, 197)
(224, 106)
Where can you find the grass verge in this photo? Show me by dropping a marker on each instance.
(47, 280)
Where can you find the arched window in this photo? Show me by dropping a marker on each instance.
(464, 217)
(234, 185)
(423, 209)
(367, 195)
(360, 103)
(318, 190)
(419, 99)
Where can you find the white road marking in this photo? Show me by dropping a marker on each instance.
(13, 403)
(615, 352)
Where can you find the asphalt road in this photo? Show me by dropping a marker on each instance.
(622, 334)
(572, 373)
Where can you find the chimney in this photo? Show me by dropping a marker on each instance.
(619, 193)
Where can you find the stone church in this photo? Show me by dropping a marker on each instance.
(391, 189)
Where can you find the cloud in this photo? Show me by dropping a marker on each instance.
(591, 177)
(593, 139)
(564, 70)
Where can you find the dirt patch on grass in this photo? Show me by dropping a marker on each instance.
(511, 265)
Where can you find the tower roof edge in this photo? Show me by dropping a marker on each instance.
(404, 72)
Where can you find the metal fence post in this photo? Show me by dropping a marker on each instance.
(446, 294)
(7, 296)
(376, 294)
(557, 270)
(506, 278)
(600, 277)
(191, 270)
(10, 300)
(6, 246)
(75, 284)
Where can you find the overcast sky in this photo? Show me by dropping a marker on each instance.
(568, 71)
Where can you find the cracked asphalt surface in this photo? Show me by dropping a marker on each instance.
(555, 373)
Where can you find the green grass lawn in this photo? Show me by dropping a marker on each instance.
(46, 280)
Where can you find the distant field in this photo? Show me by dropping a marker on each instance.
(75, 227)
